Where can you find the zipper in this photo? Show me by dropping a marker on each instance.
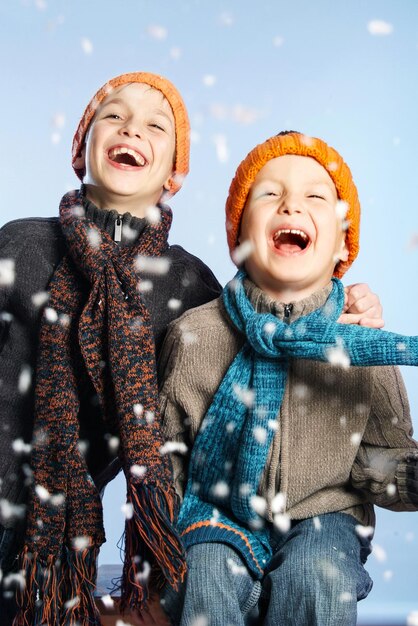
(117, 237)
(288, 308)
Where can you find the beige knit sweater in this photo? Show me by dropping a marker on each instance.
(343, 435)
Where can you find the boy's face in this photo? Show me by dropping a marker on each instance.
(129, 151)
(291, 220)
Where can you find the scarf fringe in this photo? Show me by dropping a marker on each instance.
(152, 545)
(59, 593)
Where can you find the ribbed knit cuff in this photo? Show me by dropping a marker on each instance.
(407, 480)
(213, 533)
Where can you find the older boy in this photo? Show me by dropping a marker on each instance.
(288, 455)
(94, 394)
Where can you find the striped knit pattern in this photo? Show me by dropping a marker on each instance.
(95, 323)
(300, 145)
(224, 472)
(181, 120)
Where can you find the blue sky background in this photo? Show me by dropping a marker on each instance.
(346, 72)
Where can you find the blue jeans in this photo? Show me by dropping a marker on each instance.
(315, 578)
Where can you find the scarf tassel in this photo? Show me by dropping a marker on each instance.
(58, 593)
(152, 546)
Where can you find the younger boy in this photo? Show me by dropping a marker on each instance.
(288, 454)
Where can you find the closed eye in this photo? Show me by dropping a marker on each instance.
(314, 195)
(114, 116)
(158, 126)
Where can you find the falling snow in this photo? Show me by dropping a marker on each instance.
(157, 32)
(338, 356)
(242, 252)
(152, 265)
(244, 395)
(40, 298)
(127, 509)
(138, 471)
(379, 27)
(20, 447)
(221, 146)
(379, 553)
(259, 504)
(81, 543)
(86, 45)
(173, 446)
(7, 272)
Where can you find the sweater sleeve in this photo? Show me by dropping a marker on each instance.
(386, 465)
(173, 415)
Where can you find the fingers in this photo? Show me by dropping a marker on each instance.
(358, 318)
(361, 301)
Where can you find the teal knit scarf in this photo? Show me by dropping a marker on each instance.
(231, 449)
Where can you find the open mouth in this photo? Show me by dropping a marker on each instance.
(291, 240)
(126, 156)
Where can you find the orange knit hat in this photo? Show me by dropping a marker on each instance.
(296, 143)
(182, 126)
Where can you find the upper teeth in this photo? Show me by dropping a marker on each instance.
(293, 231)
(139, 160)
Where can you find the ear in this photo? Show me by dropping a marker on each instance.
(343, 254)
(80, 160)
(169, 182)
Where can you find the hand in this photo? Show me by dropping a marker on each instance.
(362, 307)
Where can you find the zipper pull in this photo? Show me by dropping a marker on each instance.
(118, 229)
(288, 308)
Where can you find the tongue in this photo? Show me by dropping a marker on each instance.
(287, 248)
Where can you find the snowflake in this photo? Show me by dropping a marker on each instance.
(260, 434)
(236, 569)
(379, 27)
(258, 504)
(242, 252)
(108, 601)
(379, 553)
(152, 265)
(153, 214)
(138, 471)
(40, 298)
(157, 32)
(127, 509)
(7, 272)
(82, 542)
(278, 504)
(209, 80)
(73, 602)
(244, 395)
(282, 522)
(173, 446)
(174, 304)
(221, 145)
(338, 356)
(94, 237)
(20, 447)
(365, 531)
(86, 45)
(220, 489)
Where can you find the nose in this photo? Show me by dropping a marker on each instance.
(290, 204)
(131, 129)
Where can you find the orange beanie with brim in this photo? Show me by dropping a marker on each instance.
(301, 145)
(182, 126)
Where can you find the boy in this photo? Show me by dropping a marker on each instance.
(130, 150)
(288, 455)
(95, 391)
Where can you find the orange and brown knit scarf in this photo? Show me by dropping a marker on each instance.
(95, 322)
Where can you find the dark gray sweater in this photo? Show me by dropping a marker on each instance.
(35, 246)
